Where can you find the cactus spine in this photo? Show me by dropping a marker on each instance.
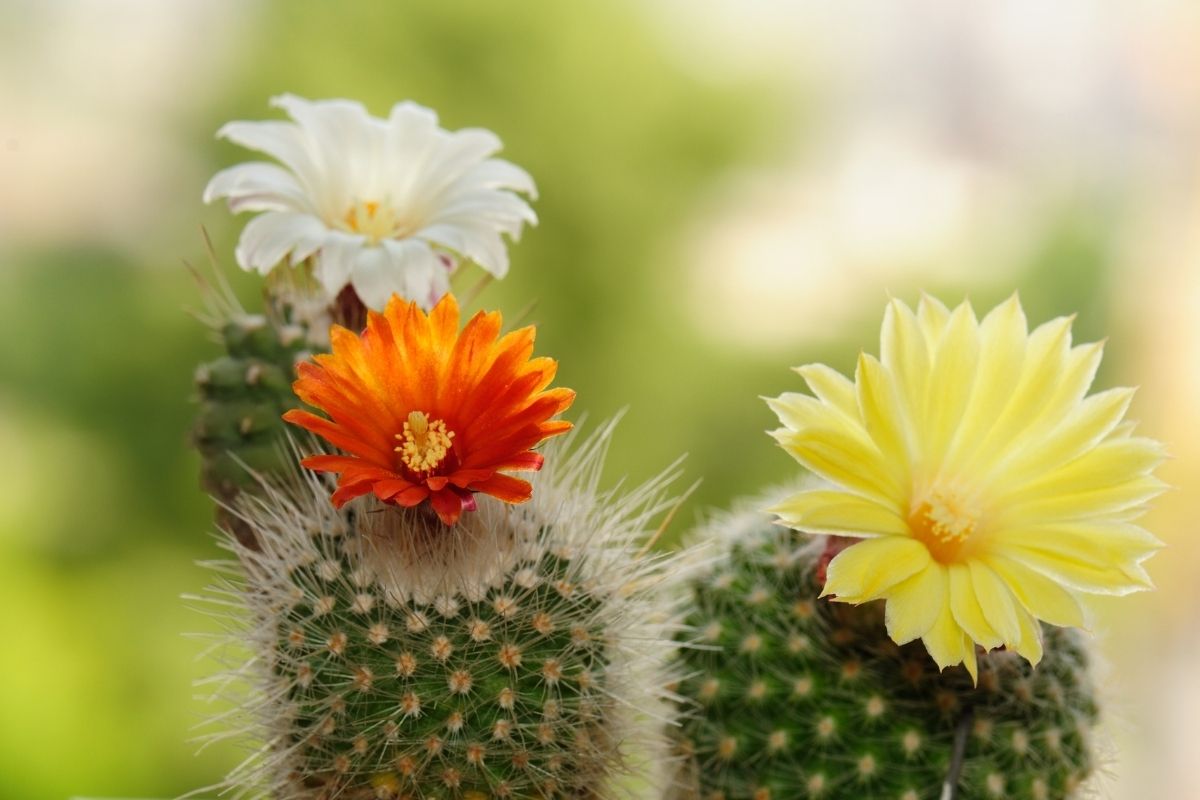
(518, 654)
(806, 698)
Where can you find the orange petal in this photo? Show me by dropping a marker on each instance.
(387, 489)
(346, 493)
(448, 505)
(506, 488)
(334, 434)
(412, 496)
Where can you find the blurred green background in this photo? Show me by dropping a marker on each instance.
(727, 190)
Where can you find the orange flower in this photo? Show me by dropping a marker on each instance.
(425, 412)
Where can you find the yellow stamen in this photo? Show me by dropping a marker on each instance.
(424, 442)
(375, 220)
(943, 522)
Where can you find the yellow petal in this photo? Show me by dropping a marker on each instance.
(1030, 644)
(955, 363)
(1040, 596)
(840, 513)
(932, 315)
(1095, 542)
(970, 659)
(1076, 376)
(1091, 422)
(1002, 337)
(831, 387)
(799, 411)
(967, 611)
(867, 569)
(1124, 430)
(1110, 463)
(1120, 502)
(905, 355)
(1085, 573)
(945, 641)
(996, 601)
(885, 420)
(843, 459)
(913, 605)
(1045, 354)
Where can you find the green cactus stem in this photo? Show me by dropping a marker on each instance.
(789, 697)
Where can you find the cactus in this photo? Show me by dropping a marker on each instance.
(242, 394)
(519, 653)
(789, 696)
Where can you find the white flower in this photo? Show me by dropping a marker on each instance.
(384, 205)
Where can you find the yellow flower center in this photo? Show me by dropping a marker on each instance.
(375, 220)
(943, 522)
(424, 442)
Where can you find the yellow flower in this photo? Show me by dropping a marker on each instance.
(988, 490)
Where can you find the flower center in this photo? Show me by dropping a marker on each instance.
(943, 521)
(375, 220)
(424, 442)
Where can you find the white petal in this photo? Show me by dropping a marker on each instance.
(336, 261)
(406, 267)
(462, 150)
(419, 274)
(267, 238)
(410, 140)
(257, 186)
(283, 141)
(496, 173)
(479, 243)
(503, 209)
(346, 143)
(409, 119)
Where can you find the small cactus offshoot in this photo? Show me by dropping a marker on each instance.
(519, 653)
(789, 696)
(243, 395)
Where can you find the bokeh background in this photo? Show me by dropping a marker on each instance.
(728, 188)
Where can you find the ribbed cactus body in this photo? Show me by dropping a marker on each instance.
(496, 693)
(242, 395)
(520, 653)
(795, 697)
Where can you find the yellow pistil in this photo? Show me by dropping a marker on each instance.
(943, 522)
(424, 442)
(375, 220)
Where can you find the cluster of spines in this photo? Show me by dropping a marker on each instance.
(788, 696)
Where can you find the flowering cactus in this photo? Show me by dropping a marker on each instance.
(971, 499)
(437, 627)
(518, 653)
